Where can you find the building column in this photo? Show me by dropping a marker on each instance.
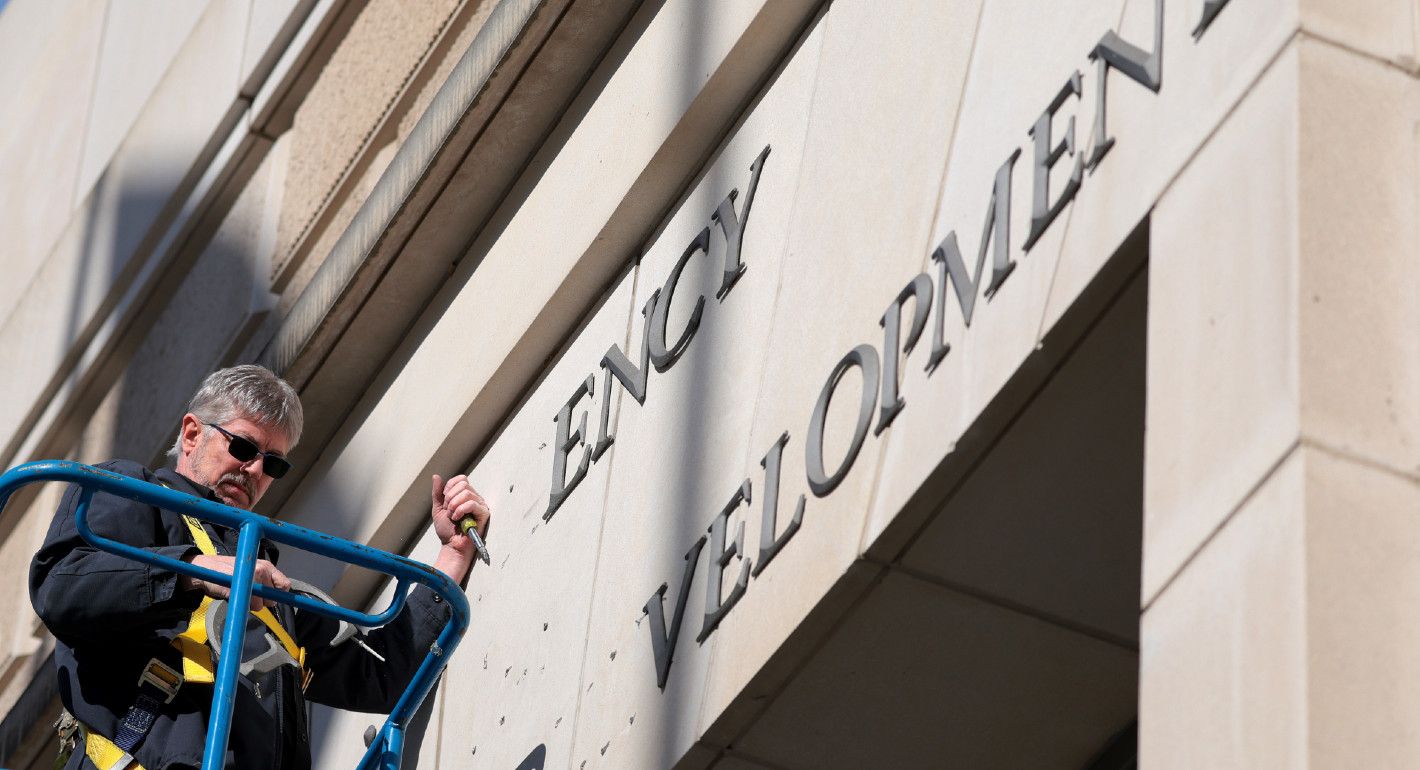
(1280, 620)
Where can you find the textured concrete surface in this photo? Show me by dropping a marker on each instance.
(333, 127)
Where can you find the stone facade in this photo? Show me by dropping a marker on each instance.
(961, 383)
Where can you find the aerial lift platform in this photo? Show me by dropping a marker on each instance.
(386, 746)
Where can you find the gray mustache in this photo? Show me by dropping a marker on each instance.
(240, 479)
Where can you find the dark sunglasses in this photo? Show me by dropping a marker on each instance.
(244, 450)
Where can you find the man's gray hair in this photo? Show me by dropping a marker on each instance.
(247, 391)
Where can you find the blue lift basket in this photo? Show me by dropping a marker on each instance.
(385, 751)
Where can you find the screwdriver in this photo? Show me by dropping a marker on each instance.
(469, 527)
(356, 639)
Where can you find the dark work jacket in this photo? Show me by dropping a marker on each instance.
(111, 615)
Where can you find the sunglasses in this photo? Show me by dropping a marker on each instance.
(244, 450)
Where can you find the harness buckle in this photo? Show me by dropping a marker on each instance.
(162, 676)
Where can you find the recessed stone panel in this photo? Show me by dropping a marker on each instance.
(1051, 518)
(920, 676)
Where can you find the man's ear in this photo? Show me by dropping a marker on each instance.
(189, 433)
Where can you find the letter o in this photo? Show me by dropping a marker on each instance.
(864, 357)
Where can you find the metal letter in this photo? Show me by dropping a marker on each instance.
(769, 545)
(663, 643)
(864, 357)
(720, 557)
(920, 291)
(1142, 67)
(1043, 212)
(631, 376)
(605, 438)
(950, 264)
(662, 357)
(733, 226)
(567, 440)
(1210, 12)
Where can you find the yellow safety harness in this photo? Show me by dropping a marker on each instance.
(197, 663)
(197, 666)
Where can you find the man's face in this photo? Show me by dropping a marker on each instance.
(204, 459)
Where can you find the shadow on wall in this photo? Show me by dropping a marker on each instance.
(693, 485)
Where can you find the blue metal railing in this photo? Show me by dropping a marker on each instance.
(386, 749)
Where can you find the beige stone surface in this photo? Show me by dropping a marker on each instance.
(1358, 273)
(1156, 135)
(1224, 653)
(518, 679)
(464, 28)
(29, 28)
(1386, 29)
(45, 113)
(1224, 397)
(202, 321)
(1288, 640)
(95, 254)
(341, 214)
(1362, 587)
(140, 41)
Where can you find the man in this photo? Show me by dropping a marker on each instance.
(132, 656)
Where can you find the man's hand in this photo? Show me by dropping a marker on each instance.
(265, 573)
(455, 500)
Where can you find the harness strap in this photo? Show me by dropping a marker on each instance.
(105, 754)
(197, 663)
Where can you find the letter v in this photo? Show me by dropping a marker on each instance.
(663, 643)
